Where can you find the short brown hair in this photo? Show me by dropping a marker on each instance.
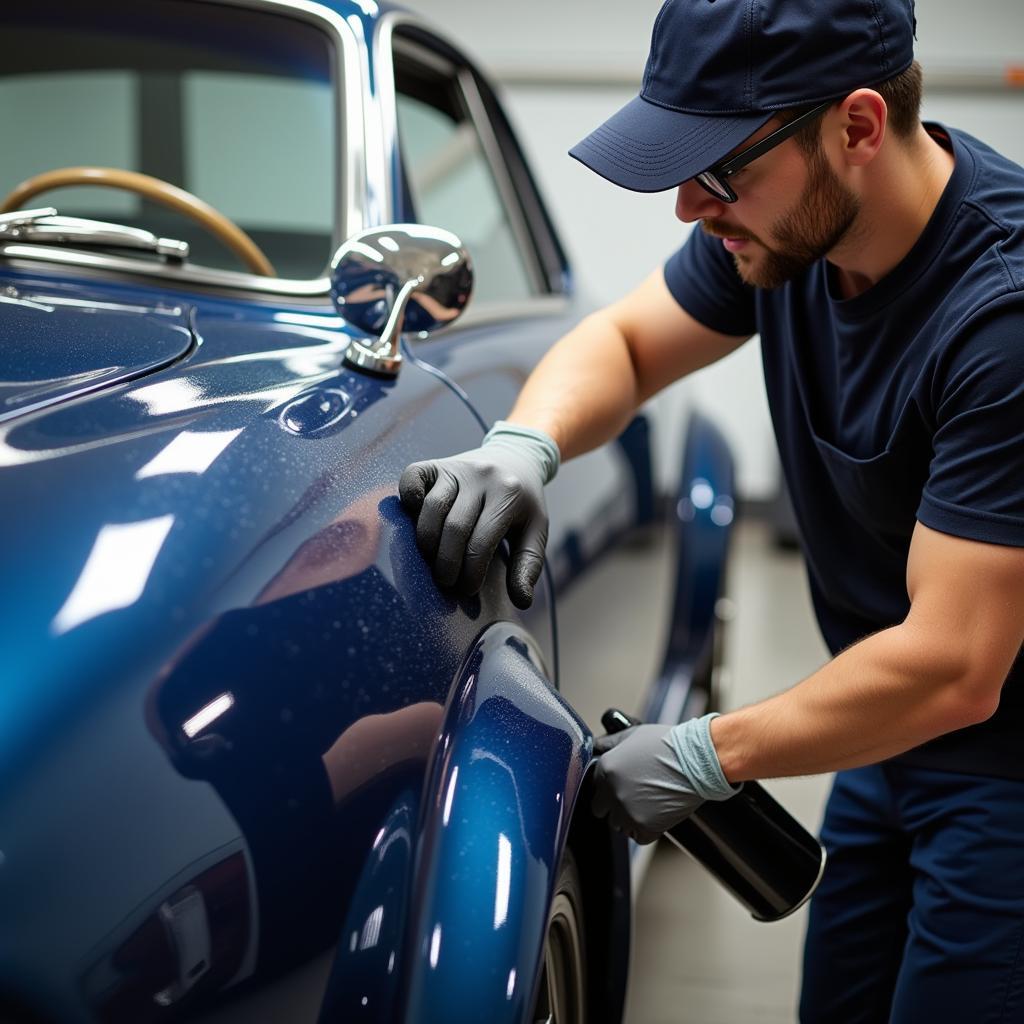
(902, 95)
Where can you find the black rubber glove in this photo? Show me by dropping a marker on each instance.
(465, 505)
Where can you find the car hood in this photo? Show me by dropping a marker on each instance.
(58, 343)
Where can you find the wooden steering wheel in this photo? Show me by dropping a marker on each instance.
(158, 191)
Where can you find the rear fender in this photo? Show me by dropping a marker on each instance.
(510, 763)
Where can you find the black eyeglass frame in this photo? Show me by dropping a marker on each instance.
(714, 179)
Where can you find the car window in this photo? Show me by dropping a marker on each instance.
(234, 106)
(450, 182)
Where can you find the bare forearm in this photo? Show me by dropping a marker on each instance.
(876, 699)
(583, 392)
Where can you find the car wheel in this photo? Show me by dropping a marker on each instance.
(561, 992)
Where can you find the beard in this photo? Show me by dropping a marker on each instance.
(817, 223)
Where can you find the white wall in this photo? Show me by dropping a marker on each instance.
(565, 66)
(613, 35)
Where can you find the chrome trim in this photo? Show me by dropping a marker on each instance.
(350, 198)
(383, 101)
(186, 926)
(475, 316)
(19, 218)
(178, 275)
(398, 269)
(385, 362)
(377, 209)
(383, 49)
(48, 303)
(37, 226)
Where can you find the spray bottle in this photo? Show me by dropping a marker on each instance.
(750, 843)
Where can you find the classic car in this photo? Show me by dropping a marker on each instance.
(254, 764)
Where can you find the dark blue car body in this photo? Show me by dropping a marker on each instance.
(254, 764)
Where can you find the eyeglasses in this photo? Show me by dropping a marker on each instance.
(715, 178)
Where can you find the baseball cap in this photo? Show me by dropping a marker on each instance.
(719, 69)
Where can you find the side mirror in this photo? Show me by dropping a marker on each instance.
(400, 277)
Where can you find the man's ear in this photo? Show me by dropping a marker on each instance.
(863, 117)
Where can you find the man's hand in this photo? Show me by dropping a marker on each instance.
(465, 505)
(651, 777)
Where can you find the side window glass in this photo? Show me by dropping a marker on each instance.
(450, 182)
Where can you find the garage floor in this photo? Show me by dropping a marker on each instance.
(698, 956)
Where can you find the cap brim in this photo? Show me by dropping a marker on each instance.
(647, 148)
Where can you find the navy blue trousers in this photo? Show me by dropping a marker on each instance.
(919, 918)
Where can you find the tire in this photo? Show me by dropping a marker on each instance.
(562, 987)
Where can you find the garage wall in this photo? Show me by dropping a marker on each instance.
(563, 67)
(611, 36)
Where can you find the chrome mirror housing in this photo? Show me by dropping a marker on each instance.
(400, 277)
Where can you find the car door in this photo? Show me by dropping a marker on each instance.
(457, 165)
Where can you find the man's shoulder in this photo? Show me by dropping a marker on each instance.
(996, 183)
(983, 248)
(983, 152)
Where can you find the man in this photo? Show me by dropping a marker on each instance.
(881, 261)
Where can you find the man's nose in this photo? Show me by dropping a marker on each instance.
(696, 203)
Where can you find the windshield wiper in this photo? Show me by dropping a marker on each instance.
(44, 226)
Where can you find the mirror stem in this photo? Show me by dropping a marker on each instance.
(385, 356)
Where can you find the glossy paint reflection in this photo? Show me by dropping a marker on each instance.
(326, 722)
(115, 573)
(55, 344)
(511, 758)
(265, 696)
(365, 973)
(190, 452)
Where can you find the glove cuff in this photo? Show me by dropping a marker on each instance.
(691, 741)
(540, 445)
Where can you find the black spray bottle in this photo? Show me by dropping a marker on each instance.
(750, 843)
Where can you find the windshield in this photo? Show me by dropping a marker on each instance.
(232, 105)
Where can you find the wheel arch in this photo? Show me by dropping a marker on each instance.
(510, 763)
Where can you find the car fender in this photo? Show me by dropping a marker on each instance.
(510, 762)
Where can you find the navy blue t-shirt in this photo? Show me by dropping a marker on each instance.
(903, 403)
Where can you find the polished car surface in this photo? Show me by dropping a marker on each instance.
(254, 764)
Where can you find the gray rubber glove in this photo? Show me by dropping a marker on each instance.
(651, 777)
(465, 505)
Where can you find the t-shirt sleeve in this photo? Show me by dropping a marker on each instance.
(975, 486)
(702, 278)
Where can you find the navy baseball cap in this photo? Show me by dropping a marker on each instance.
(719, 69)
